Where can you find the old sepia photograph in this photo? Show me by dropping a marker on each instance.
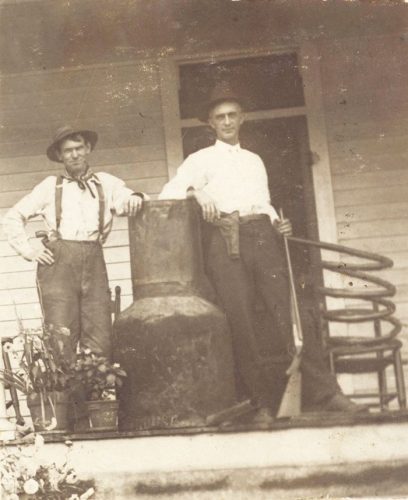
(203, 249)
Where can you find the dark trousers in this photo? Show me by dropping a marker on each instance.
(75, 294)
(261, 271)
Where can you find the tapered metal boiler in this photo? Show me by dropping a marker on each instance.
(173, 343)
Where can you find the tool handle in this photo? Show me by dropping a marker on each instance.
(41, 234)
(295, 306)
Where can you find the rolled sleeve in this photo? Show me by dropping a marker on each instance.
(119, 193)
(16, 218)
(189, 175)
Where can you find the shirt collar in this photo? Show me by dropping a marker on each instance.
(89, 175)
(227, 147)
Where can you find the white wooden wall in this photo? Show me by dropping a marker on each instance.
(122, 103)
(365, 85)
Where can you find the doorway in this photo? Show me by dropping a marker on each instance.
(275, 128)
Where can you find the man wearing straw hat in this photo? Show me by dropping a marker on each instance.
(77, 207)
(230, 185)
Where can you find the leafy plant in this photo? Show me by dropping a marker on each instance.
(97, 376)
(43, 367)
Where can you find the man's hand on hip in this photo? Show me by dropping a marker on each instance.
(42, 256)
(284, 226)
(133, 205)
(207, 204)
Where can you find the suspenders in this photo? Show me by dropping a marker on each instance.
(58, 205)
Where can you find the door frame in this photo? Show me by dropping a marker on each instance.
(313, 109)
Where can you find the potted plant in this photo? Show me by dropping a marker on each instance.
(99, 380)
(43, 374)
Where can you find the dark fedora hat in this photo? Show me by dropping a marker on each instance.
(66, 131)
(222, 92)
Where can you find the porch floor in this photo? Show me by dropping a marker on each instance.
(313, 456)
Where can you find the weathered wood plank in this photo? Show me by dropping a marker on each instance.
(356, 164)
(354, 149)
(16, 296)
(99, 158)
(130, 125)
(10, 328)
(100, 107)
(80, 77)
(350, 230)
(24, 311)
(373, 195)
(119, 271)
(110, 136)
(117, 254)
(137, 170)
(367, 180)
(368, 213)
(378, 244)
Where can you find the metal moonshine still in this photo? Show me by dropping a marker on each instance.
(173, 343)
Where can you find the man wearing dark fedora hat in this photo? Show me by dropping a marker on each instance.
(245, 257)
(77, 208)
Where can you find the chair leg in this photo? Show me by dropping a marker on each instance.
(399, 380)
(332, 363)
(382, 389)
(13, 393)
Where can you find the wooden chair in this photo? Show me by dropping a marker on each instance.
(364, 354)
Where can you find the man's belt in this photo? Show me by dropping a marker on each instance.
(251, 217)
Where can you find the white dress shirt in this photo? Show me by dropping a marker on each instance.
(235, 179)
(80, 210)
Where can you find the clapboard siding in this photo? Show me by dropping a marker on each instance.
(123, 103)
(100, 157)
(125, 171)
(365, 83)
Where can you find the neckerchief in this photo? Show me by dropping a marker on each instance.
(82, 180)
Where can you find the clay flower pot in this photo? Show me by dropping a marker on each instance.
(103, 415)
(49, 412)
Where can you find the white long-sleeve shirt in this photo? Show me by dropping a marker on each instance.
(234, 177)
(80, 211)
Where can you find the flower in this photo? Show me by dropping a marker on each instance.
(31, 486)
(13, 496)
(71, 477)
(18, 342)
(8, 482)
(8, 347)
